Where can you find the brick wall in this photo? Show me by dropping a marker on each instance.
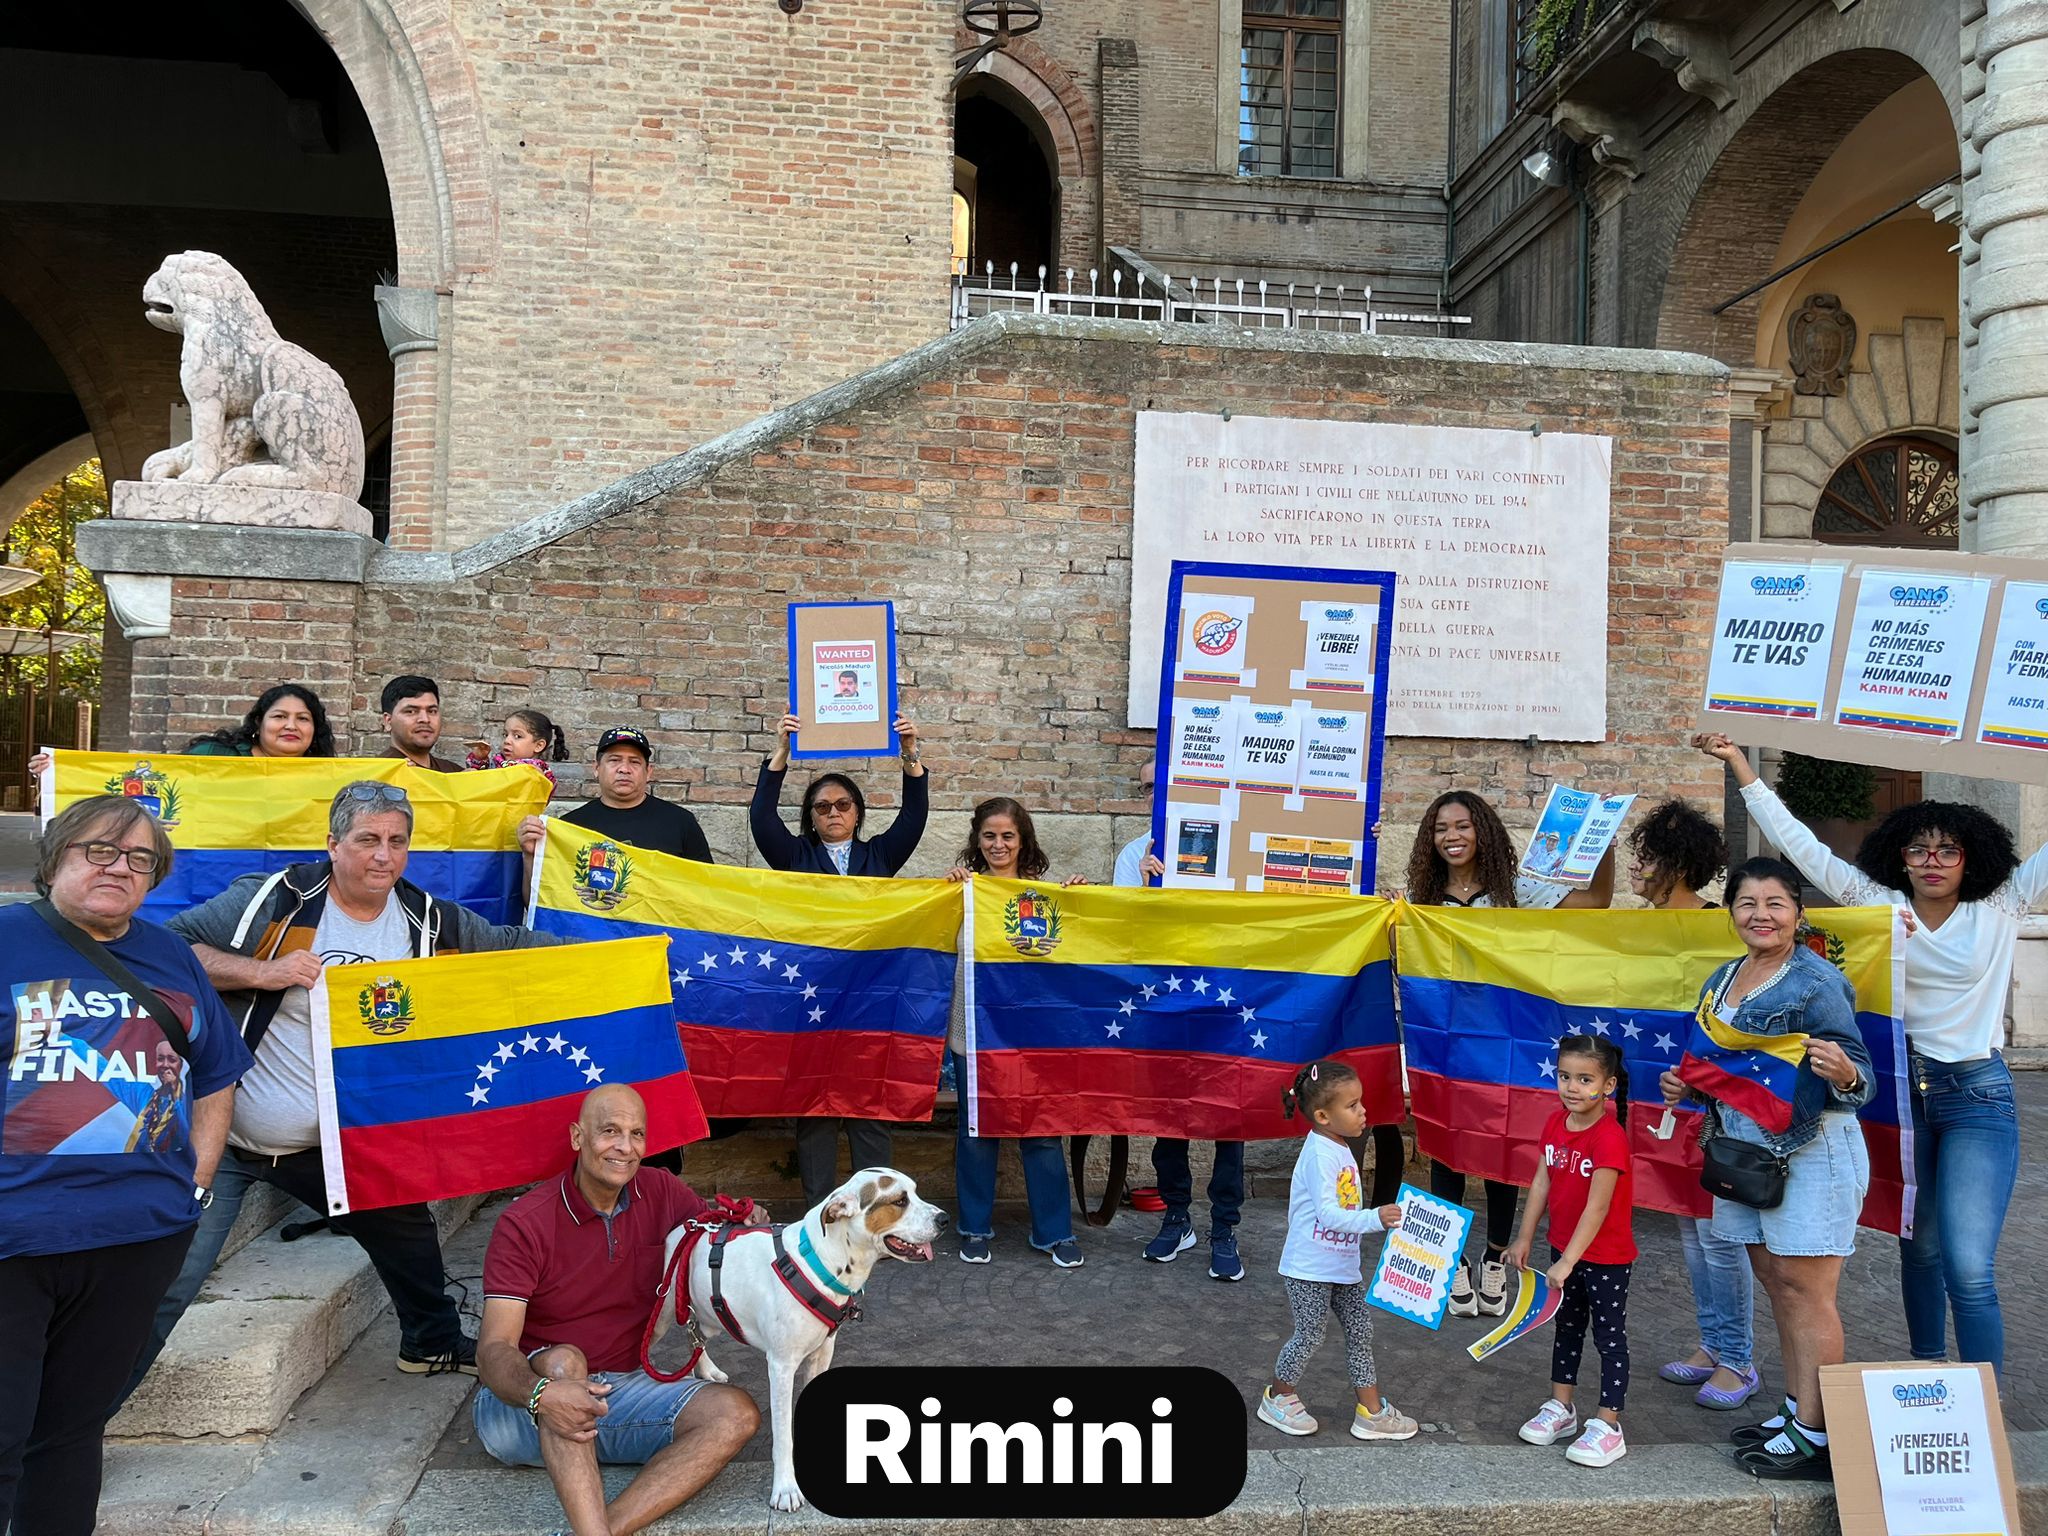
(989, 495)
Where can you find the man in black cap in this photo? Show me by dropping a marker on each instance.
(624, 810)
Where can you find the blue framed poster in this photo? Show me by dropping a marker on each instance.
(842, 679)
(1272, 727)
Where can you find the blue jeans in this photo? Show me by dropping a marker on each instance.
(639, 1420)
(1966, 1157)
(1177, 1187)
(1723, 1293)
(1045, 1185)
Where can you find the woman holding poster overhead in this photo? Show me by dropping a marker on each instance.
(1464, 858)
(834, 810)
(1955, 871)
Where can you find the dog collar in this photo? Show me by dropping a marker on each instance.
(818, 1267)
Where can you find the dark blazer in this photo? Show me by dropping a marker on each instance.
(879, 856)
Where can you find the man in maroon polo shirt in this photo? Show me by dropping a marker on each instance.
(569, 1282)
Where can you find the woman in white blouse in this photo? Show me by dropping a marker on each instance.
(1956, 873)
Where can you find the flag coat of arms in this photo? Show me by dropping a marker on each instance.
(1486, 995)
(463, 1073)
(1100, 1010)
(231, 816)
(796, 994)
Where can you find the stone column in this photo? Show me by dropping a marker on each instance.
(410, 319)
(1117, 61)
(2005, 275)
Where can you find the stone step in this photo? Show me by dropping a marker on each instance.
(266, 1326)
(342, 1463)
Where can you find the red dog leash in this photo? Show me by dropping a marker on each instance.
(730, 1217)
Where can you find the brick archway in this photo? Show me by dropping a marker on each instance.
(1747, 192)
(1066, 125)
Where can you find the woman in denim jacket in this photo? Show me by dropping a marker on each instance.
(1781, 987)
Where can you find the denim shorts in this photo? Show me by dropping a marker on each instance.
(1824, 1188)
(639, 1420)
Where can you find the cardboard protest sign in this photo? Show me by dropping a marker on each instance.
(1914, 659)
(1919, 1450)
(1272, 727)
(842, 679)
(1574, 833)
(1536, 1303)
(1413, 1277)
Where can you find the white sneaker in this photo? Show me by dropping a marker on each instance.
(1493, 1288)
(1553, 1422)
(1600, 1446)
(1286, 1414)
(1464, 1301)
(1390, 1423)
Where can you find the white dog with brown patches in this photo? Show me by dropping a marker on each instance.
(785, 1290)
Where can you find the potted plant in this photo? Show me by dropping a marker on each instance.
(1837, 800)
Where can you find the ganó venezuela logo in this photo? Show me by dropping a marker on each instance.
(1214, 632)
(903, 1444)
(602, 874)
(1031, 922)
(385, 1006)
(148, 789)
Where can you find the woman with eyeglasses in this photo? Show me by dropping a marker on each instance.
(1963, 890)
(834, 810)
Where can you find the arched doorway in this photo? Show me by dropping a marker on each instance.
(1004, 183)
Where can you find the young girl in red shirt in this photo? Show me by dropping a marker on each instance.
(1585, 1184)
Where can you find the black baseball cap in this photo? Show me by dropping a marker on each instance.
(624, 736)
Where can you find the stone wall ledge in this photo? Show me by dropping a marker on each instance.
(145, 548)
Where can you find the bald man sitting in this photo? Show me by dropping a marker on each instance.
(569, 1282)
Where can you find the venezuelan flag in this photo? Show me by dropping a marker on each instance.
(1757, 1074)
(230, 816)
(1098, 1010)
(796, 994)
(463, 1073)
(1486, 995)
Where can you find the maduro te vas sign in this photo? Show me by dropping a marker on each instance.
(1499, 538)
(1920, 660)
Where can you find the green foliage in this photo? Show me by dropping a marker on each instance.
(1549, 31)
(44, 538)
(1814, 789)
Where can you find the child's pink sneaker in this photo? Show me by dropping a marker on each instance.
(1600, 1446)
(1553, 1422)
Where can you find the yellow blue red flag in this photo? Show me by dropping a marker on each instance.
(463, 1073)
(796, 994)
(1100, 1010)
(230, 816)
(1486, 995)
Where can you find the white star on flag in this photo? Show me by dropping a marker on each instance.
(766, 959)
(1548, 1068)
(1127, 1007)
(1114, 1030)
(593, 1074)
(529, 1042)
(478, 1094)
(489, 1070)
(1258, 1039)
(1665, 1043)
(1246, 1015)
(1201, 984)
(680, 978)
(555, 1043)
(817, 1014)
(1150, 993)
(1598, 1026)
(790, 973)
(709, 962)
(1224, 995)
(810, 991)
(579, 1056)
(1630, 1028)
(1173, 983)
(505, 1051)
(737, 954)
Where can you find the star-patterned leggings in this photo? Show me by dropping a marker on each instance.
(1596, 1294)
(1312, 1302)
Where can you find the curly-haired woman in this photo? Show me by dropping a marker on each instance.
(1674, 853)
(1003, 844)
(1956, 873)
(1463, 857)
(285, 721)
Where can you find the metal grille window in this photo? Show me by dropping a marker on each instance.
(1287, 87)
(1898, 491)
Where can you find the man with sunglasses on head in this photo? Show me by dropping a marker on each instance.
(263, 942)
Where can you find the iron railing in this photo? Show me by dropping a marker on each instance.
(1546, 33)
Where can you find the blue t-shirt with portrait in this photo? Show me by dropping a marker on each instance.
(96, 1116)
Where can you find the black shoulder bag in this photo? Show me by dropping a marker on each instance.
(103, 959)
(1743, 1172)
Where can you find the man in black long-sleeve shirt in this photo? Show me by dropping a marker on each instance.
(624, 809)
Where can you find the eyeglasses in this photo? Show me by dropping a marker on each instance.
(1941, 855)
(374, 793)
(831, 807)
(106, 855)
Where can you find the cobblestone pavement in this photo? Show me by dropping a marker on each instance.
(1119, 1310)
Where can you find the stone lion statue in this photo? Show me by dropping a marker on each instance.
(264, 412)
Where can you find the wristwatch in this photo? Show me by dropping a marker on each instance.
(202, 1196)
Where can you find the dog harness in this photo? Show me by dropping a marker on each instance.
(723, 1226)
